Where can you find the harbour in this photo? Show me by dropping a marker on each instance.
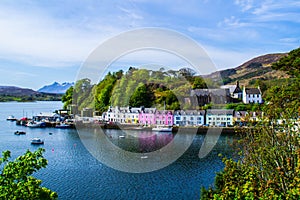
(74, 173)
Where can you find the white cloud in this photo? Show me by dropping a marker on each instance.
(232, 21)
(244, 4)
(271, 10)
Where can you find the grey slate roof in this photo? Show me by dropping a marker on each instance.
(190, 112)
(252, 91)
(219, 112)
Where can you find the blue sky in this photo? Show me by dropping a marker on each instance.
(46, 41)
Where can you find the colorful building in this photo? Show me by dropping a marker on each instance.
(219, 117)
(189, 117)
(151, 116)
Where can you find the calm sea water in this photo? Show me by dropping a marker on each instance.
(75, 174)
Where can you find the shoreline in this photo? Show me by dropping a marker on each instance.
(134, 127)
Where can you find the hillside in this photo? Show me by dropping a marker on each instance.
(256, 68)
(16, 91)
(12, 93)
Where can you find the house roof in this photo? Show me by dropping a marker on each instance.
(206, 92)
(240, 113)
(148, 110)
(189, 112)
(219, 112)
(230, 87)
(252, 91)
(164, 112)
(237, 90)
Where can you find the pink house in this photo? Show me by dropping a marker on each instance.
(151, 116)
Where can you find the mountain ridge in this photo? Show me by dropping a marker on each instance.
(256, 68)
(56, 88)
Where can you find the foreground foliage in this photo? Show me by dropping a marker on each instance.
(16, 181)
(269, 168)
(269, 162)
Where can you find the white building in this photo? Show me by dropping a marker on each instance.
(219, 117)
(252, 95)
(189, 117)
(122, 114)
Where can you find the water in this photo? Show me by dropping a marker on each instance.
(75, 174)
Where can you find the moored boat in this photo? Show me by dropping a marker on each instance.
(33, 124)
(63, 125)
(163, 129)
(20, 133)
(11, 118)
(37, 141)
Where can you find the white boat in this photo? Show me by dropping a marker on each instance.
(37, 141)
(163, 129)
(63, 126)
(11, 118)
(33, 124)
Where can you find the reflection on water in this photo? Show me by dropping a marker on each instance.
(139, 141)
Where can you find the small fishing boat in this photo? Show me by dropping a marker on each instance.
(163, 129)
(11, 118)
(63, 125)
(20, 133)
(37, 141)
(144, 157)
(33, 124)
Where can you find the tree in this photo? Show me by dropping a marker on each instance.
(198, 83)
(67, 98)
(16, 181)
(141, 97)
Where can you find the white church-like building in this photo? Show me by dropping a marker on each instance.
(252, 95)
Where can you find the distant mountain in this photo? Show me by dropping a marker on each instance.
(56, 88)
(256, 68)
(16, 91)
(12, 93)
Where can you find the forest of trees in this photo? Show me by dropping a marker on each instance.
(136, 87)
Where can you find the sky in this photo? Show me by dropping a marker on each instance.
(46, 41)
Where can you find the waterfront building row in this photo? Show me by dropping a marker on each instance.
(153, 116)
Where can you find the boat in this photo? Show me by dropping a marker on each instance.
(63, 125)
(37, 141)
(20, 133)
(163, 129)
(11, 118)
(33, 124)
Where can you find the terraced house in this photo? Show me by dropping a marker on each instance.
(219, 117)
(189, 117)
